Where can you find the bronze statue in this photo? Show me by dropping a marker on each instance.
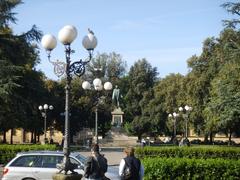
(115, 96)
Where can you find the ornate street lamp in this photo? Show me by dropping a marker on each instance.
(66, 36)
(174, 116)
(97, 85)
(44, 109)
(187, 110)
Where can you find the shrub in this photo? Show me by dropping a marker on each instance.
(204, 152)
(7, 152)
(184, 168)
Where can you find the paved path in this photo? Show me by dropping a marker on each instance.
(113, 157)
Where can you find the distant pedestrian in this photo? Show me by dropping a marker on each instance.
(95, 165)
(130, 167)
(143, 142)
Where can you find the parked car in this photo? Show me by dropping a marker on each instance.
(41, 165)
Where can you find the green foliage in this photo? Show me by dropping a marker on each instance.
(7, 152)
(168, 96)
(234, 9)
(184, 168)
(21, 86)
(141, 78)
(201, 152)
(6, 14)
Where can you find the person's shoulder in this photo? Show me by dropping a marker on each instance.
(136, 159)
(102, 158)
(89, 159)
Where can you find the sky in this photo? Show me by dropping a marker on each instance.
(165, 32)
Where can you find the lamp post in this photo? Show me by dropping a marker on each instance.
(97, 85)
(44, 108)
(187, 110)
(174, 116)
(66, 36)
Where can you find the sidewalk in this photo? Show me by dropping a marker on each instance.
(113, 157)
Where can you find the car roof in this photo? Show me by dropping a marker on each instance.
(45, 152)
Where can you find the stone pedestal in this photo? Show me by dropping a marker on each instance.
(117, 117)
(117, 137)
(60, 176)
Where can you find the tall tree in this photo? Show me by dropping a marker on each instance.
(18, 65)
(222, 109)
(168, 96)
(142, 77)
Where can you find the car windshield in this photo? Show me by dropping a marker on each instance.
(81, 158)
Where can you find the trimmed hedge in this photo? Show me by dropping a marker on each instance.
(184, 168)
(7, 152)
(204, 152)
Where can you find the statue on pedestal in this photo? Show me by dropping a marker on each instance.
(117, 114)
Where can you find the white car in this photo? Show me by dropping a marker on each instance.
(41, 165)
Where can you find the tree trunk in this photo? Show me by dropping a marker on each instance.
(31, 137)
(205, 137)
(230, 138)
(35, 137)
(11, 136)
(139, 136)
(4, 137)
(23, 136)
(211, 137)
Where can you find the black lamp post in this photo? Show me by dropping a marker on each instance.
(187, 110)
(66, 36)
(44, 109)
(174, 118)
(98, 86)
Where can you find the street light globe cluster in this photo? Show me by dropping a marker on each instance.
(97, 84)
(173, 115)
(66, 36)
(187, 108)
(45, 107)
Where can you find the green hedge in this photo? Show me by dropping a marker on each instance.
(184, 168)
(204, 152)
(7, 152)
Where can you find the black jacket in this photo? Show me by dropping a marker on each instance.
(135, 165)
(95, 167)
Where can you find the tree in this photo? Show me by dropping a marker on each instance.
(226, 98)
(17, 67)
(168, 96)
(142, 77)
(234, 9)
(112, 67)
(222, 109)
(203, 70)
(6, 14)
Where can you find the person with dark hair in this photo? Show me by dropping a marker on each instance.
(95, 165)
(130, 167)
